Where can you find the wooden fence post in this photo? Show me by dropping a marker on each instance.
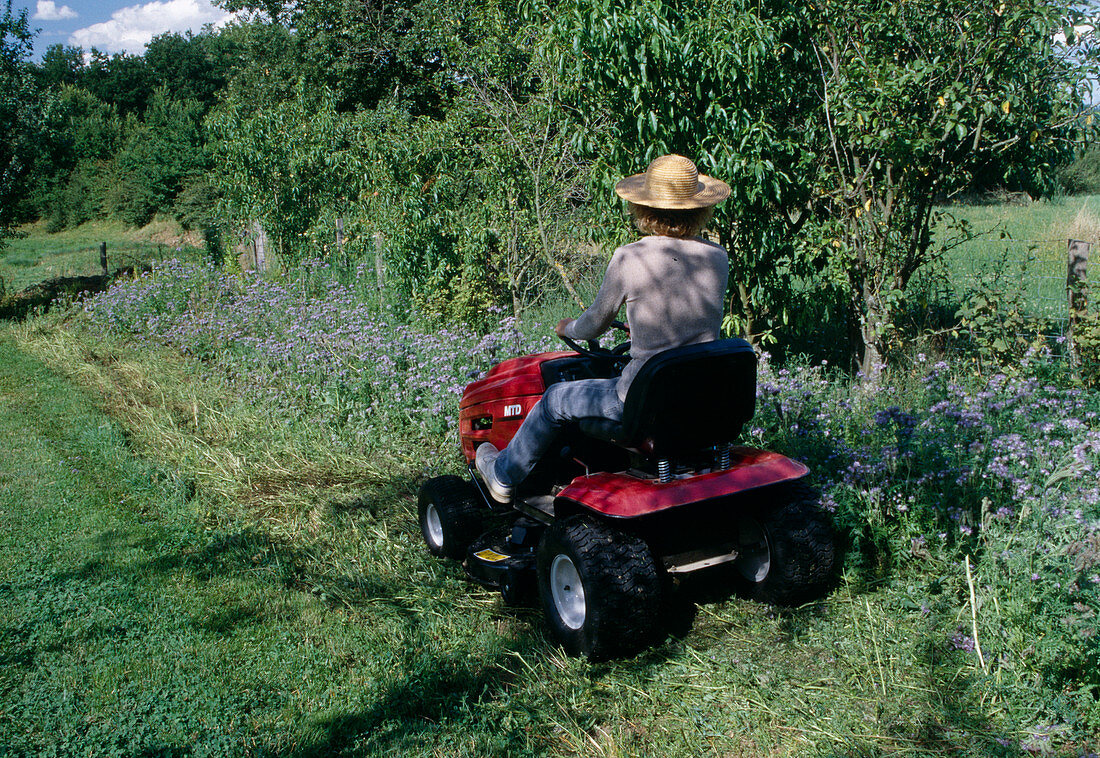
(259, 239)
(379, 266)
(103, 257)
(1076, 283)
(340, 241)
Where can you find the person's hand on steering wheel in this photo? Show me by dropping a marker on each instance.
(594, 350)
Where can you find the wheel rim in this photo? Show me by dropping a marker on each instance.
(433, 526)
(568, 591)
(754, 559)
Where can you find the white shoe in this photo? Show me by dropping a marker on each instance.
(485, 460)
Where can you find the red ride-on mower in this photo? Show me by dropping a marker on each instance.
(617, 514)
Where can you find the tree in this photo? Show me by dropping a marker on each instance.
(158, 154)
(531, 180)
(916, 99)
(280, 164)
(82, 135)
(362, 52)
(422, 122)
(191, 66)
(507, 191)
(838, 125)
(20, 116)
(122, 135)
(61, 65)
(1083, 175)
(725, 83)
(122, 80)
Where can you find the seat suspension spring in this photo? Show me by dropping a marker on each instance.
(722, 455)
(664, 470)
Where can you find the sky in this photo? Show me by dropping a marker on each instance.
(114, 26)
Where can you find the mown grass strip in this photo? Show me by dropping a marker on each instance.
(124, 629)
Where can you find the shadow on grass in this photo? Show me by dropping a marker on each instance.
(16, 652)
(222, 621)
(429, 686)
(441, 688)
(952, 711)
(451, 688)
(91, 569)
(434, 687)
(439, 685)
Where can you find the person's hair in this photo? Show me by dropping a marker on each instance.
(670, 223)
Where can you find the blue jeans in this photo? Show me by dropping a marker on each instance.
(563, 403)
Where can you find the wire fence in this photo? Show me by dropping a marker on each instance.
(1020, 291)
(1030, 274)
(21, 270)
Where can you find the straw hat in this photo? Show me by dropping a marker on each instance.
(672, 182)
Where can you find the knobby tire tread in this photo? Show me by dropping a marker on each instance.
(462, 515)
(623, 578)
(804, 549)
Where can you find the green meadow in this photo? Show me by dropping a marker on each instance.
(183, 571)
(1022, 245)
(36, 255)
(175, 579)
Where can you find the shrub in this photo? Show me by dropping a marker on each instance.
(76, 200)
(992, 317)
(194, 206)
(1083, 175)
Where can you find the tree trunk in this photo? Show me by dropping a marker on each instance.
(549, 254)
(260, 242)
(746, 308)
(871, 335)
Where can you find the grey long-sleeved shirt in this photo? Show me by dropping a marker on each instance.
(674, 290)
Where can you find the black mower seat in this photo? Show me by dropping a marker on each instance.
(684, 400)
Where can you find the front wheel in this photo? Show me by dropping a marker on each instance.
(450, 516)
(600, 589)
(787, 554)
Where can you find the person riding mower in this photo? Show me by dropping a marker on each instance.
(610, 476)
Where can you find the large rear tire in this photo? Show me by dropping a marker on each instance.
(788, 552)
(451, 517)
(600, 589)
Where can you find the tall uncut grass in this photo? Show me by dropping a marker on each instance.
(311, 349)
(1025, 244)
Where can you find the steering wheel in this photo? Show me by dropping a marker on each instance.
(593, 349)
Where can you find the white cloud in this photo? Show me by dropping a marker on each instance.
(47, 10)
(130, 29)
(1085, 34)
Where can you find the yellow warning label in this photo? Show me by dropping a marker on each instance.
(490, 555)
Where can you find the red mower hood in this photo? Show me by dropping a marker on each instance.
(513, 378)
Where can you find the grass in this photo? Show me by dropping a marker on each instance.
(131, 626)
(183, 572)
(1027, 243)
(39, 255)
(180, 575)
